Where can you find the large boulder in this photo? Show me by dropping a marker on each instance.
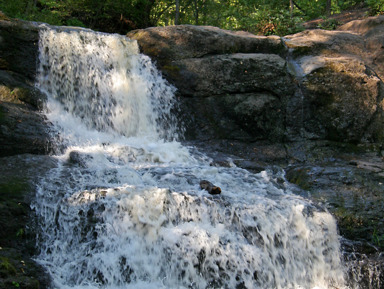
(165, 44)
(372, 30)
(236, 83)
(342, 93)
(19, 48)
(314, 85)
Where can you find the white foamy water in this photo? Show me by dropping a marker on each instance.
(124, 209)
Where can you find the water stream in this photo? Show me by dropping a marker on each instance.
(124, 209)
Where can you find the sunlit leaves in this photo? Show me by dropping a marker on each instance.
(257, 16)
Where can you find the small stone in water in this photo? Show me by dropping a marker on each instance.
(211, 188)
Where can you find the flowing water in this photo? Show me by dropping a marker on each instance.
(123, 209)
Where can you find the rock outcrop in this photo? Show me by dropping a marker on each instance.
(24, 139)
(315, 85)
(23, 128)
(342, 91)
(236, 82)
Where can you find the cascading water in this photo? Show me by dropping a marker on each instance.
(123, 209)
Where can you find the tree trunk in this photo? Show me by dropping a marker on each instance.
(196, 13)
(328, 7)
(177, 16)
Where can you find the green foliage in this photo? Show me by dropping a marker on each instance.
(6, 268)
(20, 233)
(257, 16)
(13, 8)
(377, 6)
(329, 24)
(377, 238)
(75, 22)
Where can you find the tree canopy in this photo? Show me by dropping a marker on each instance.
(119, 16)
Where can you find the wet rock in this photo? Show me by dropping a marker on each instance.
(18, 178)
(352, 190)
(209, 187)
(23, 129)
(19, 48)
(79, 158)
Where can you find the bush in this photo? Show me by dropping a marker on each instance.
(14, 8)
(75, 22)
(277, 23)
(377, 6)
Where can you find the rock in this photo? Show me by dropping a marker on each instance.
(322, 85)
(210, 188)
(232, 74)
(237, 82)
(324, 42)
(342, 96)
(311, 103)
(13, 88)
(165, 44)
(23, 129)
(78, 158)
(18, 177)
(19, 48)
(371, 30)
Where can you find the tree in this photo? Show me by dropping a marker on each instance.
(177, 16)
(328, 7)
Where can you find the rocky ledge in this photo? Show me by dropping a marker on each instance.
(24, 143)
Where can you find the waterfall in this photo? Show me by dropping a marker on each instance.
(123, 208)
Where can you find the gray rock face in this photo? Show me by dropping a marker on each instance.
(233, 73)
(165, 44)
(314, 85)
(342, 91)
(238, 82)
(19, 48)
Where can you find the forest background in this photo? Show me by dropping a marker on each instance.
(262, 17)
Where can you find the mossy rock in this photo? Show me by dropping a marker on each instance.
(300, 177)
(15, 270)
(13, 210)
(6, 267)
(14, 189)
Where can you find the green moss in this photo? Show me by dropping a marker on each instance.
(3, 16)
(14, 188)
(172, 70)
(6, 268)
(300, 178)
(153, 51)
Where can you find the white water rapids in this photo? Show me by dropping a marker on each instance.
(124, 209)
